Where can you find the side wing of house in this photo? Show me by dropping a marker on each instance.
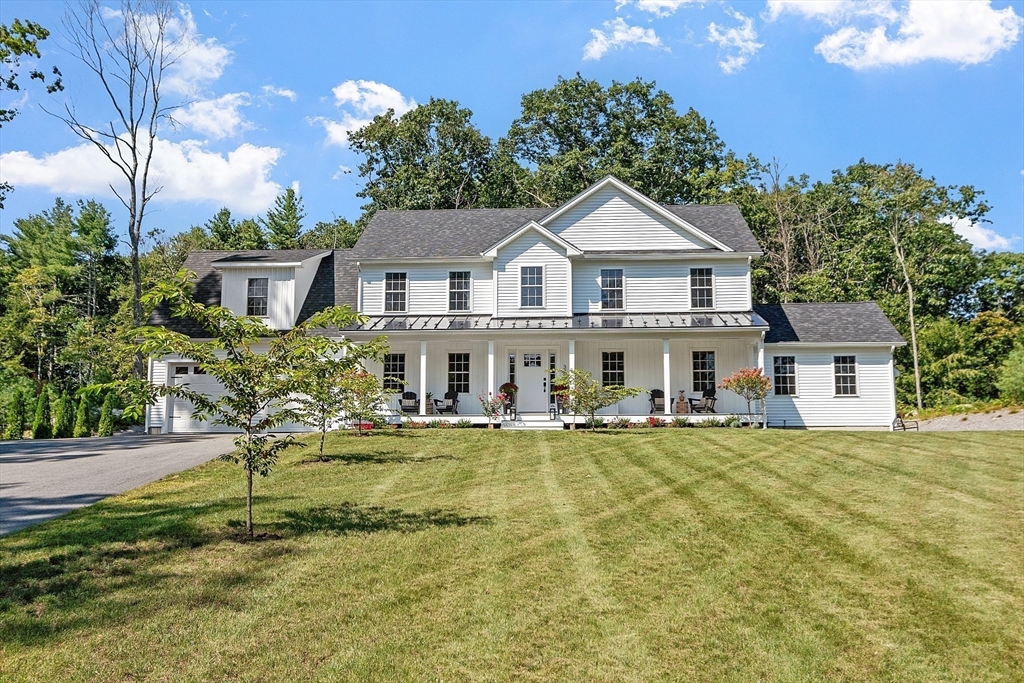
(831, 365)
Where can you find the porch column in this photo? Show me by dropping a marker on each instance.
(490, 368)
(423, 378)
(760, 354)
(668, 377)
(572, 354)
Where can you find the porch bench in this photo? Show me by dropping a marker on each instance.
(902, 425)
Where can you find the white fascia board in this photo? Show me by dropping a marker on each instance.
(570, 249)
(693, 256)
(833, 345)
(640, 197)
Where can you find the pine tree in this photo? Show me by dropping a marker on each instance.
(82, 420)
(107, 416)
(15, 426)
(284, 221)
(63, 417)
(41, 426)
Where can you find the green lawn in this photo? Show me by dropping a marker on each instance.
(700, 554)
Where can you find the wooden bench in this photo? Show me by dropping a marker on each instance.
(902, 425)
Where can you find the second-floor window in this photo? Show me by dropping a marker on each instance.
(702, 294)
(395, 288)
(256, 296)
(531, 279)
(394, 372)
(458, 291)
(611, 289)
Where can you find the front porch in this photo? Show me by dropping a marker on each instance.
(686, 363)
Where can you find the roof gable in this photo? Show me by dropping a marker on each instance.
(610, 214)
(532, 226)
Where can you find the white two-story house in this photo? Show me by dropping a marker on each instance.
(637, 293)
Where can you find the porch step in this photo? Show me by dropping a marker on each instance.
(533, 422)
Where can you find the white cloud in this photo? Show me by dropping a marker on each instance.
(959, 31)
(202, 60)
(218, 118)
(270, 90)
(740, 42)
(978, 235)
(617, 35)
(186, 170)
(342, 171)
(659, 8)
(360, 101)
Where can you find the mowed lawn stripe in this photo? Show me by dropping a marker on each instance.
(702, 554)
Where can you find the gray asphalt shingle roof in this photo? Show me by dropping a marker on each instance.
(828, 323)
(448, 233)
(268, 255)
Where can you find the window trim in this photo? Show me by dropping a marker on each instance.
(625, 380)
(601, 288)
(469, 292)
(266, 298)
(693, 376)
(796, 377)
(856, 376)
(384, 373)
(543, 286)
(405, 291)
(714, 289)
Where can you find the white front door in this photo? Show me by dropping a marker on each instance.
(533, 381)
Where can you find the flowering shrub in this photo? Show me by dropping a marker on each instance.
(655, 421)
(494, 406)
(750, 383)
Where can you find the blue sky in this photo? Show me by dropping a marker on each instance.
(817, 85)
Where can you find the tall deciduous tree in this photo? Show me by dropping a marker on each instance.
(283, 222)
(258, 384)
(576, 132)
(431, 157)
(129, 51)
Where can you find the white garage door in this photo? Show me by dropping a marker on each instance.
(179, 418)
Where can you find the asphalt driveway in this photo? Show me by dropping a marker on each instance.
(40, 480)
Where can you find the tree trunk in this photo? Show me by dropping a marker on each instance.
(248, 502)
(323, 435)
(913, 345)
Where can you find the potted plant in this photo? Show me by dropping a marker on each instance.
(430, 403)
(509, 389)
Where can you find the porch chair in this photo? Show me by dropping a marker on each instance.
(448, 404)
(704, 404)
(657, 401)
(409, 402)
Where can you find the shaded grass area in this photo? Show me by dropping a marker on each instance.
(474, 555)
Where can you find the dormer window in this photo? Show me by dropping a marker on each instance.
(531, 280)
(256, 297)
(395, 288)
(702, 291)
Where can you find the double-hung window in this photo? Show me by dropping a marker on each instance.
(611, 289)
(394, 372)
(395, 290)
(458, 290)
(531, 281)
(702, 292)
(613, 369)
(846, 375)
(784, 376)
(703, 370)
(256, 296)
(458, 372)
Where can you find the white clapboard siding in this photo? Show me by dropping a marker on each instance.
(158, 377)
(281, 311)
(532, 249)
(609, 220)
(661, 286)
(428, 287)
(816, 404)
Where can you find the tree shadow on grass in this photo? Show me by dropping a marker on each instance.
(378, 457)
(351, 518)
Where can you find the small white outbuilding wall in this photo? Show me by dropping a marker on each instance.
(816, 403)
